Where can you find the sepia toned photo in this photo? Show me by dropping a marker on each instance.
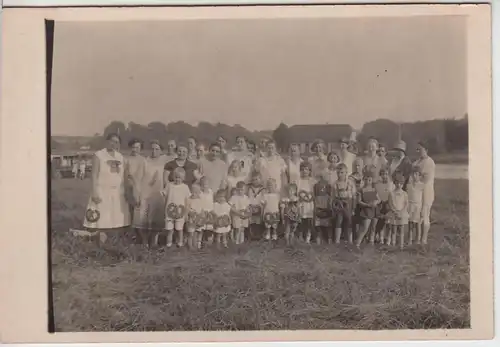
(256, 174)
(288, 174)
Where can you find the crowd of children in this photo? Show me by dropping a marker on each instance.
(354, 207)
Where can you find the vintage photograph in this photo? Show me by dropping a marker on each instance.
(257, 174)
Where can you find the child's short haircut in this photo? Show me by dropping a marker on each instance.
(240, 184)
(234, 162)
(358, 160)
(383, 170)
(212, 145)
(179, 172)
(416, 169)
(399, 178)
(341, 166)
(369, 174)
(221, 192)
(255, 174)
(305, 164)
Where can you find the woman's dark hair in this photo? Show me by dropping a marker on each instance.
(134, 141)
(341, 166)
(111, 135)
(305, 164)
(156, 142)
(212, 145)
(423, 144)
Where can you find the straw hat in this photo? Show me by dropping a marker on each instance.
(400, 146)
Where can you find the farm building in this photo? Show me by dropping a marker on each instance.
(305, 135)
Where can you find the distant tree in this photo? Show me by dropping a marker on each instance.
(282, 137)
(54, 144)
(456, 134)
(384, 130)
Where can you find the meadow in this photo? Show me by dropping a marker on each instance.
(259, 285)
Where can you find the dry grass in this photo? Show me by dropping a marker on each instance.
(259, 285)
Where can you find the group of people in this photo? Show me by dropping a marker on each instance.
(78, 169)
(196, 195)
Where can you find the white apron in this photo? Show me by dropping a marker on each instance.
(113, 211)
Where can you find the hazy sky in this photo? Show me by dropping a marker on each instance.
(257, 72)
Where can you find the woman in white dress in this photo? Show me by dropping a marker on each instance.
(271, 165)
(428, 170)
(107, 209)
(346, 156)
(171, 152)
(191, 146)
(372, 161)
(242, 154)
(149, 215)
(293, 164)
(318, 161)
(214, 168)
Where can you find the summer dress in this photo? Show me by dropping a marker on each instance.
(150, 214)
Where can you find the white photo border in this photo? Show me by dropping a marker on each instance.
(36, 91)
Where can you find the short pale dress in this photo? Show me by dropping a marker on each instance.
(208, 208)
(256, 196)
(399, 200)
(415, 199)
(222, 213)
(175, 207)
(271, 209)
(195, 218)
(240, 204)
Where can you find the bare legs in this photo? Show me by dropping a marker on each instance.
(425, 233)
(364, 228)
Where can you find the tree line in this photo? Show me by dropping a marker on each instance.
(442, 135)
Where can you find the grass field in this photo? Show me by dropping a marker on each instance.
(258, 285)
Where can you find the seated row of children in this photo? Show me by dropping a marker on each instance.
(306, 209)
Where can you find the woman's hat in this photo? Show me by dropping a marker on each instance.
(400, 146)
(344, 140)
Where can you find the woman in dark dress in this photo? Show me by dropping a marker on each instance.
(400, 163)
(192, 173)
